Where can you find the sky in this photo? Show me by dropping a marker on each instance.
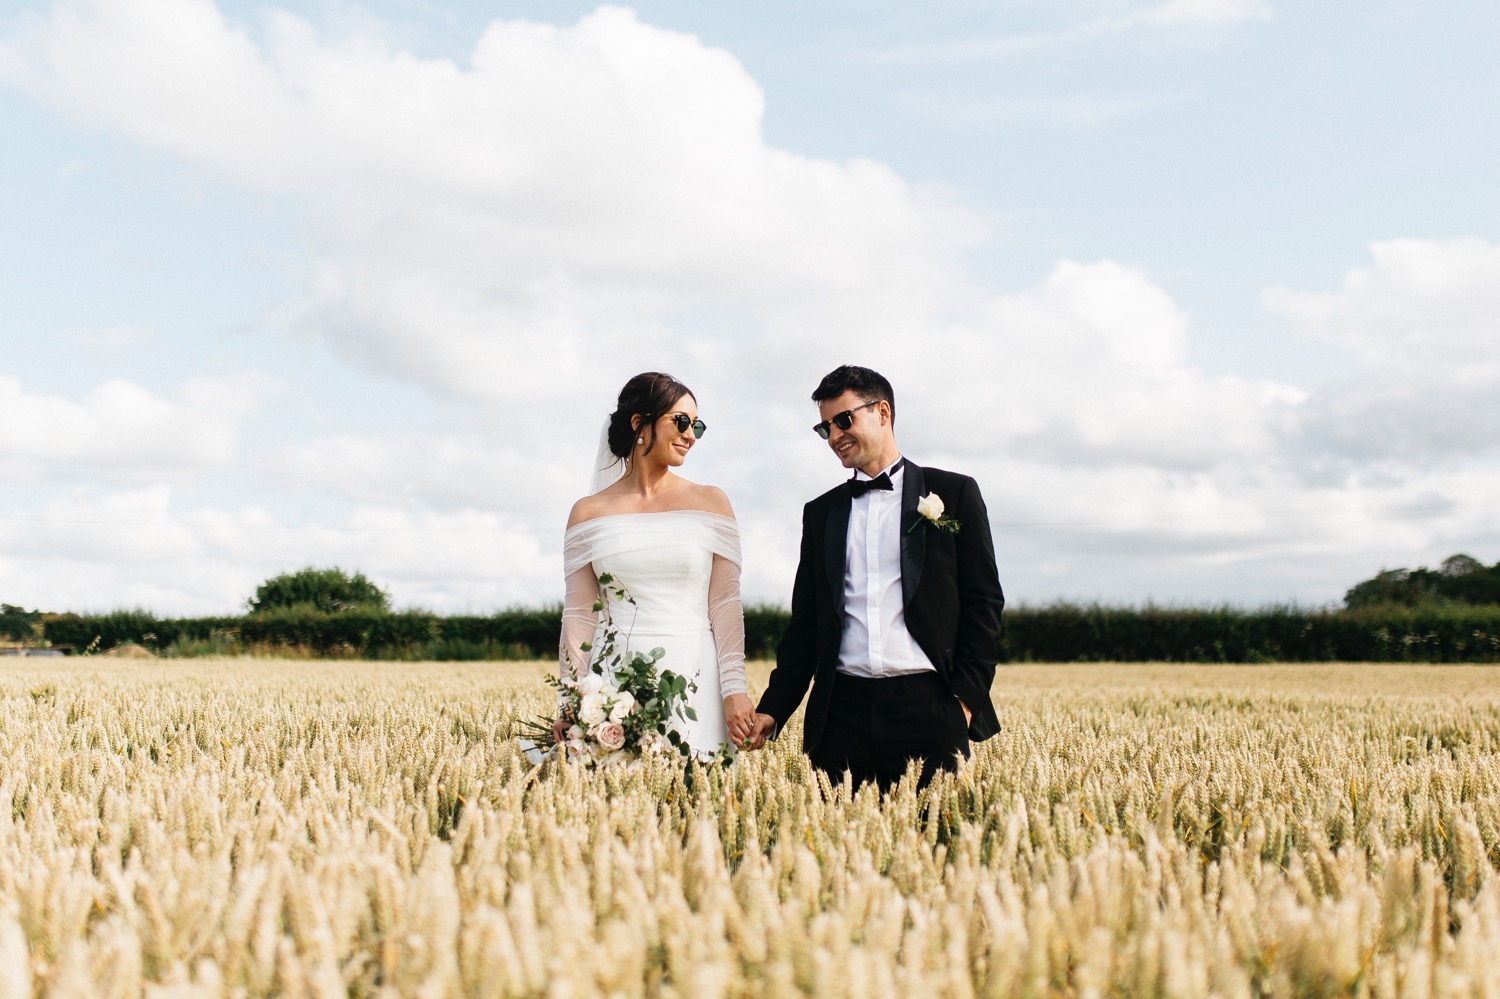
(1204, 293)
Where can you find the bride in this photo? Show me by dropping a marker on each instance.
(674, 546)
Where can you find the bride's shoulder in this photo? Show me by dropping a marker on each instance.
(711, 499)
(588, 508)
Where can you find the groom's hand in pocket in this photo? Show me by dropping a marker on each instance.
(739, 715)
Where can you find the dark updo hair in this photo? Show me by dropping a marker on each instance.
(647, 395)
(868, 384)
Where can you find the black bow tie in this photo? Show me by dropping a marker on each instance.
(858, 487)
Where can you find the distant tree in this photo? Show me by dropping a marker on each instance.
(1458, 565)
(1467, 580)
(326, 590)
(17, 623)
(1460, 579)
(1390, 586)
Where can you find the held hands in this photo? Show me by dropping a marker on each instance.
(748, 729)
(739, 713)
(762, 729)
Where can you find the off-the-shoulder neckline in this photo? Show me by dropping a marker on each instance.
(648, 513)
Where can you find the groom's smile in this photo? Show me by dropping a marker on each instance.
(869, 444)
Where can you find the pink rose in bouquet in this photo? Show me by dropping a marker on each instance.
(611, 735)
(623, 704)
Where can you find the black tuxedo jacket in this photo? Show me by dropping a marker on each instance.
(949, 585)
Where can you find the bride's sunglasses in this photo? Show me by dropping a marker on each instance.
(682, 423)
(843, 420)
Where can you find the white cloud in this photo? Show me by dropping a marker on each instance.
(485, 228)
(521, 232)
(133, 527)
(1092, 368)
(1424, 302)
(120, 430)
(1421, 324)
(445, 471)
(96, 551)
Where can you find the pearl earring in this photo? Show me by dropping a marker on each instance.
(640, 440)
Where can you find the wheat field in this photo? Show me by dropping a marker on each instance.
(258, 827)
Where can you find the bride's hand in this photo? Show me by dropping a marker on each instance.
(739, 714)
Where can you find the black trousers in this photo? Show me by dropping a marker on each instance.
(876, 726)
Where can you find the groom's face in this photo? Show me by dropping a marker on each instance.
(864, 443)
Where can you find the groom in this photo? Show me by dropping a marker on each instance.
(895, 608)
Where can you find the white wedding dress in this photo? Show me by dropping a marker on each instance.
(682, 568)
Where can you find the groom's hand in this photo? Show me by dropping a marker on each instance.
(761, 730)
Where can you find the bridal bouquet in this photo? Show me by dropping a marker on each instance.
(623, 707)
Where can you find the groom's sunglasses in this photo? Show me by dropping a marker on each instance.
(681, 422)
(843, 420)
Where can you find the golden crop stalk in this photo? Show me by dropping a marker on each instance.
(249, 828)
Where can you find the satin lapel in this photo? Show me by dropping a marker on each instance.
(835, 544)
(913, 538)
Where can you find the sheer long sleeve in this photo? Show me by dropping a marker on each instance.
(579, 620)
(726, 617)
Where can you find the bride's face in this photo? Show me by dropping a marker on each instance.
(672, 445)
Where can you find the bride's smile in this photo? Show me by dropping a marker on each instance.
(677, 431)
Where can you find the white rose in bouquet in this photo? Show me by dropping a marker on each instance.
(596, 704)
(592, 710)
(624, 705)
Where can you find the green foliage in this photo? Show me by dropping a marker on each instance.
(100, 632)
(533, 629)
(1461, 579)
(764, 626)
(327, 590)
(352, 632)
(220, 642)
(1073, 633)
(1449, 632)
(18, 624)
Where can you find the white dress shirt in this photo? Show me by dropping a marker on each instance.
(875, 641)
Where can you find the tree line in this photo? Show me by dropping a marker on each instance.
(1460, 580)
(1451, 614)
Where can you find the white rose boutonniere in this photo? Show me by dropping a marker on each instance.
(931, 508)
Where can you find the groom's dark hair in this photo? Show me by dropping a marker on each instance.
(868, 384)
